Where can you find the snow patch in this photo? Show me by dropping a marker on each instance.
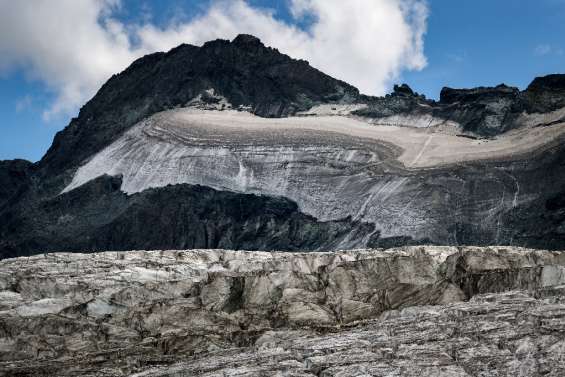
(44, 306)
(332, 109)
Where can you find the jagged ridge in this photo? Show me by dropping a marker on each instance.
(483, 111)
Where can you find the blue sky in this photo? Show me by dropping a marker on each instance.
(467, 43)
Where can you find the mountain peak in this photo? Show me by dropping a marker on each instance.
(244, 71)
(247, 39)
(403, 90)
(550, 82)
(153, 161)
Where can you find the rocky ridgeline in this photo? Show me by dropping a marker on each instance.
(418, 311)
(480, 112)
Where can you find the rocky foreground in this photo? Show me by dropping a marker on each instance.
(417, 311)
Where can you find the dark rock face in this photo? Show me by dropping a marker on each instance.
(450, 96)
(14, 176)
(482, 112)
(403, 90)
(546, 93)
(98, 216)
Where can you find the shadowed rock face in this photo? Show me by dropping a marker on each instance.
(99, 216)
(546, 93)
(15, 175)
(480, 112)
(420, 311)
(481, 166)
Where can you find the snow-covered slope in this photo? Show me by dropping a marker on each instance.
(333, 167)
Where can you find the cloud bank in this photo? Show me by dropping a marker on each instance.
(73, 47)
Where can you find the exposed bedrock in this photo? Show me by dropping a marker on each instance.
(419, 311)
(15, 176)
(546, 93)
(99, 216)
(480, 112)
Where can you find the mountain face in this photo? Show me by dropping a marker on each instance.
(244, 71)
(483, 112)
(235, 145)
(14, 175)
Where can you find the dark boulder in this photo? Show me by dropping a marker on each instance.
(546, 94)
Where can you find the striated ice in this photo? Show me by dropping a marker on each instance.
(412, 311)
(333, 167)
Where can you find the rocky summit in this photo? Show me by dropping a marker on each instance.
(412, 311)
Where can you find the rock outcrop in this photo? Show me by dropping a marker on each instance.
(546, 94)
(15, 175)
(420, 311)
(99, 216)
(483, 112)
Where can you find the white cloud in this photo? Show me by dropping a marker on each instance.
(23, 103)
(74, 46)
(542, 49)
(547, 49)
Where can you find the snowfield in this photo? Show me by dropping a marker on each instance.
(331, 166)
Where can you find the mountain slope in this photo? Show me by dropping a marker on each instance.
(244, 71)
(180, 151)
